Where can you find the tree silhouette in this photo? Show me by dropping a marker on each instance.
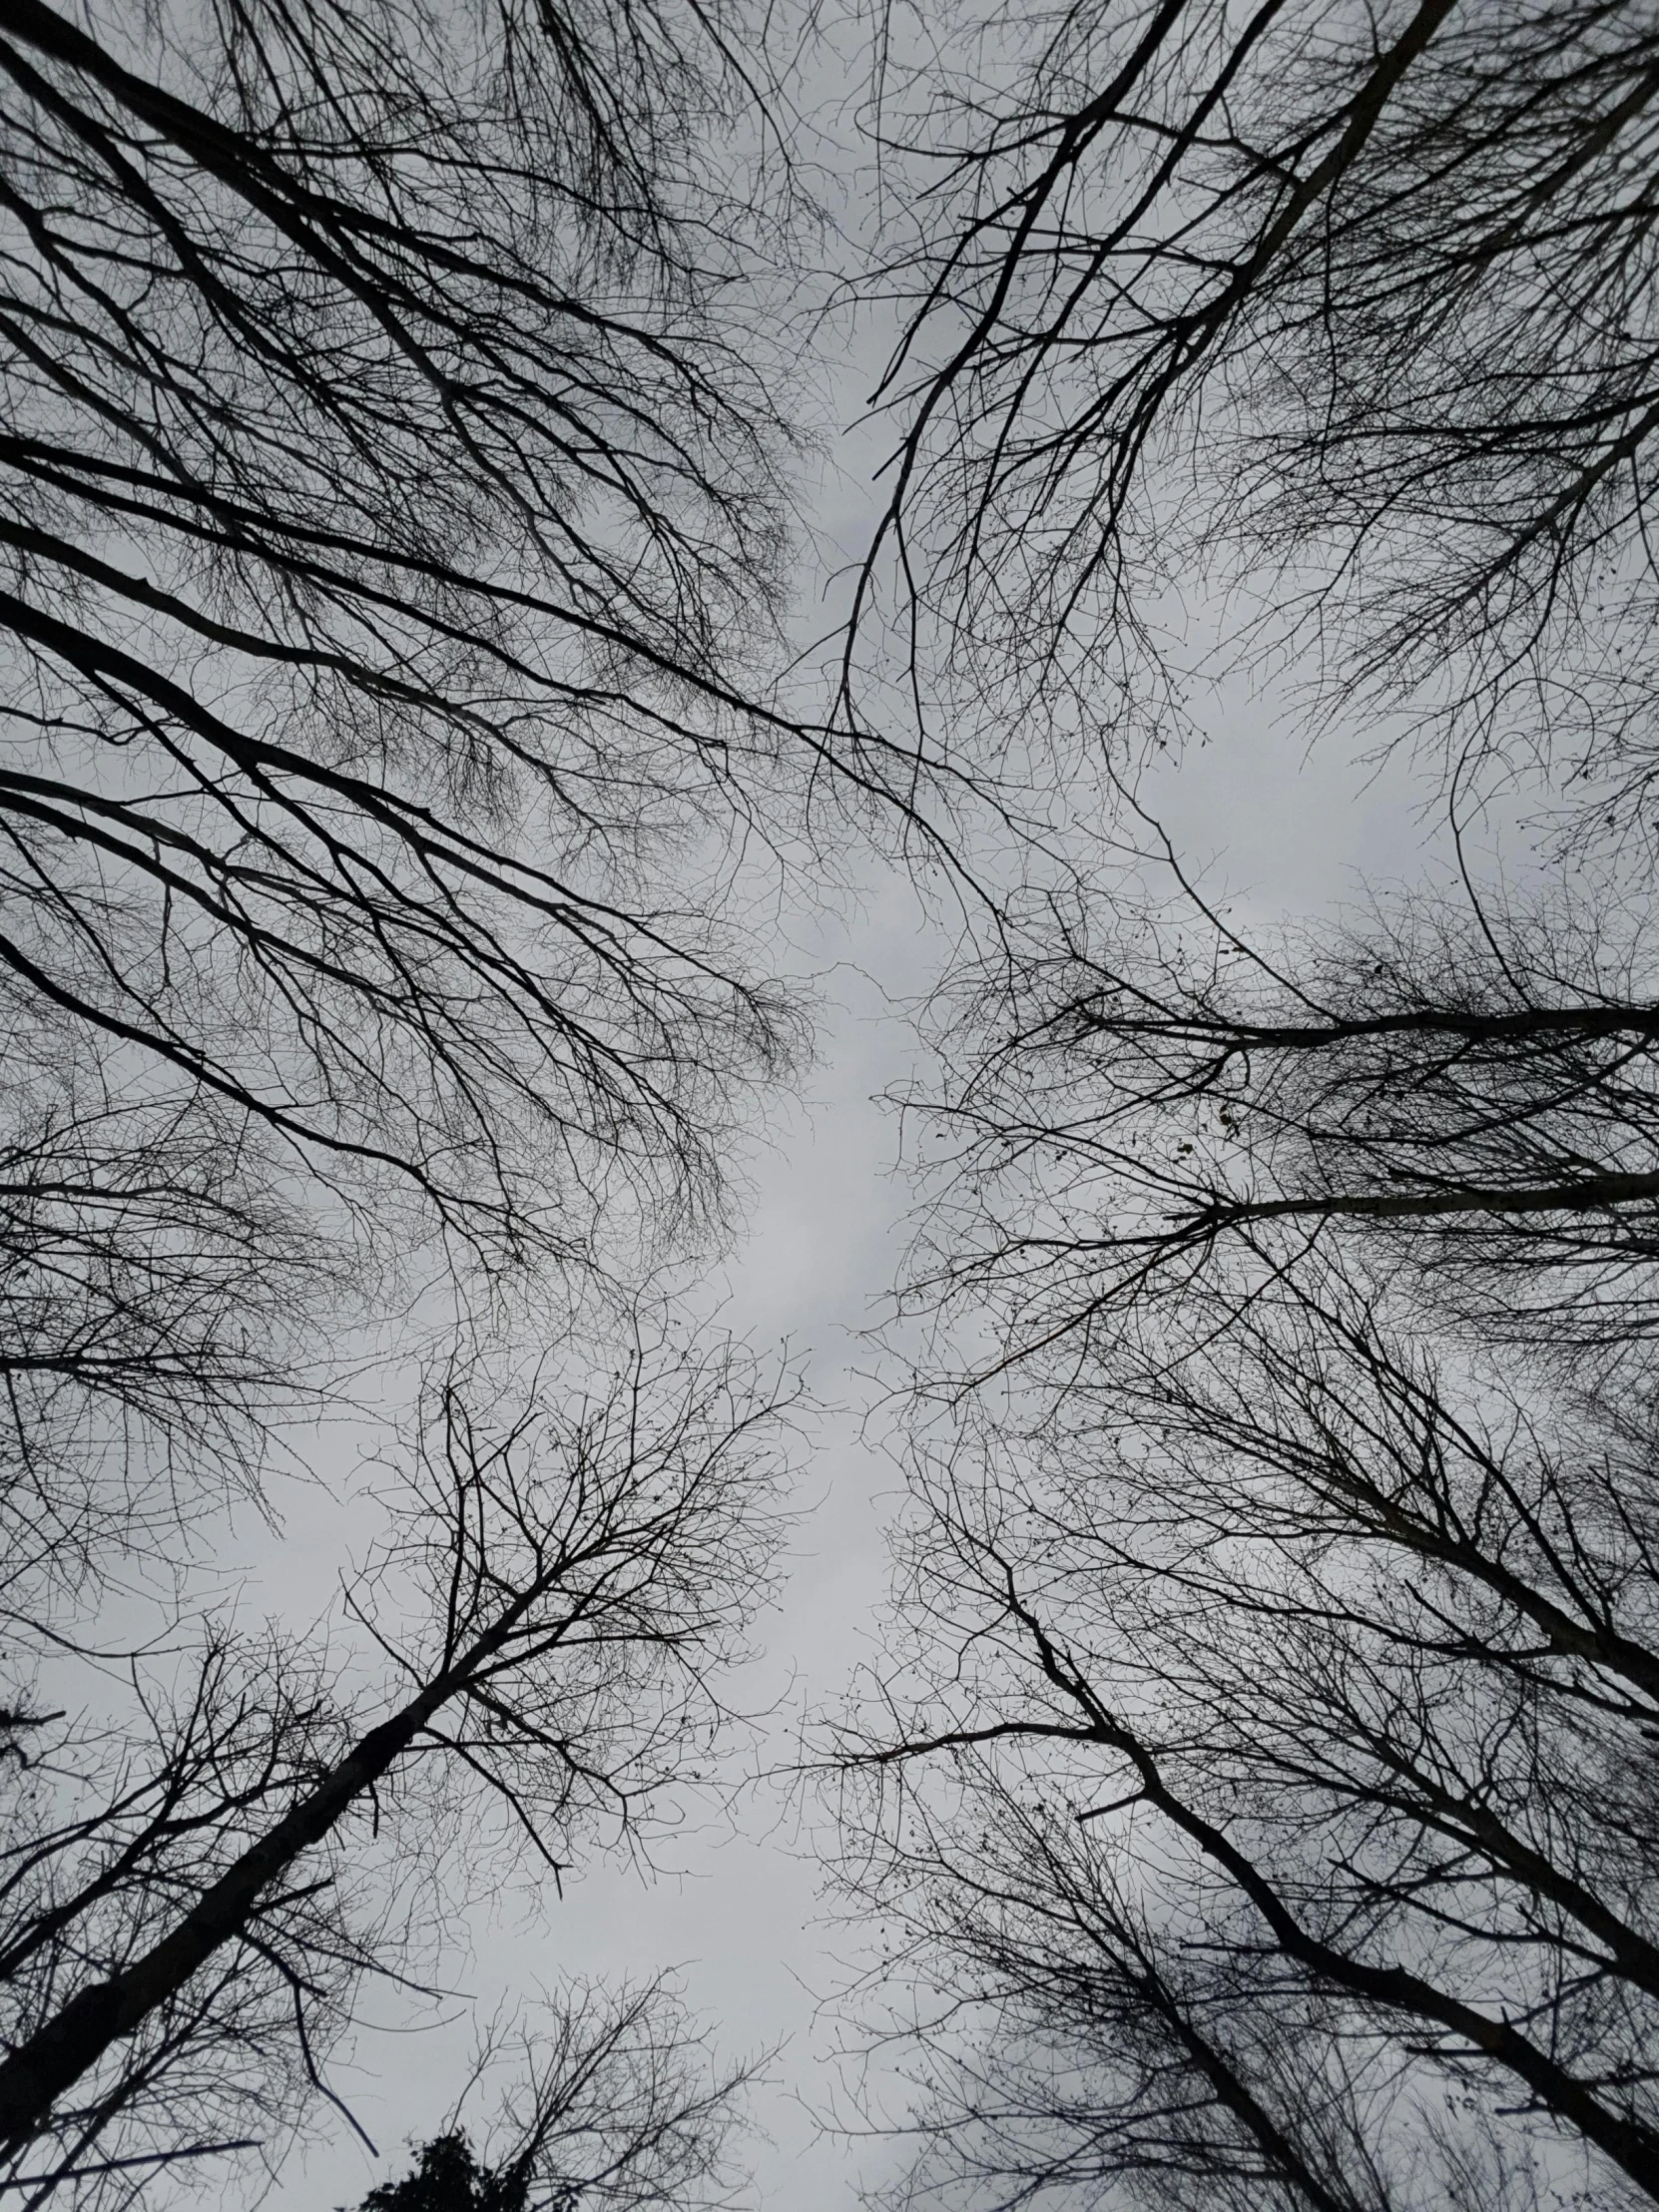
(613, 2109)
(186, 1917)
(448, 2178)
(1355, 314)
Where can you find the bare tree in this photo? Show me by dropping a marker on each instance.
(614, 2104)
(1294, 1836)
(1461, 1090)
(392, 525)
(390, 493)
(1352, 310)
(186, 1917)
(1264, 1809)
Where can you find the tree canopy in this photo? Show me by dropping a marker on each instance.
(439, 681)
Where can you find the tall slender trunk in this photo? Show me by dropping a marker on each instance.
(38, 2071)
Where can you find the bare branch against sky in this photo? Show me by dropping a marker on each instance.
(469, 742)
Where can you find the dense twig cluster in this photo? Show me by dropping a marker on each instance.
(386, 506)
(1295, 1702)
(1468, 1092)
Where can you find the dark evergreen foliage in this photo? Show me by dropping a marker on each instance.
(448, 2178)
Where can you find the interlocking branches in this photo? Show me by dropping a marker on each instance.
(1464, 1092)
(567, 1581)
(1352, 308)
(389, 501)
(1263, 1798)
(1271, 1783)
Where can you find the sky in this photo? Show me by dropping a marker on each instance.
(736, 1908)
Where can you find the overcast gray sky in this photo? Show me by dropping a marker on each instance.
(735, 1906)
(1286, 831)
(738, 1913)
